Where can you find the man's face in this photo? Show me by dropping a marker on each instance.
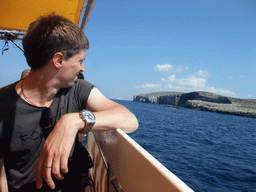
(71, 68)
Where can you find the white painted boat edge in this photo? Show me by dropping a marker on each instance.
(161, 168)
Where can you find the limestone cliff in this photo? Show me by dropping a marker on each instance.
(203, 101)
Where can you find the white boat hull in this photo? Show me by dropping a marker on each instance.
(120, 164)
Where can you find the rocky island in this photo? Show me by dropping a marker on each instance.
(201, 100)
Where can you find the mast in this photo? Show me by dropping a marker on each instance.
(87, 12)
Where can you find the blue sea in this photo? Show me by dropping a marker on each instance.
(208, 151)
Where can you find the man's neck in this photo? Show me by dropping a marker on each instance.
(38, 89)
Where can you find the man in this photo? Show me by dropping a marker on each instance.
(41, 114)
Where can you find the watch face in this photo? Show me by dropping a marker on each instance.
(90, 118)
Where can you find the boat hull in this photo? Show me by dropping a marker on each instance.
(122, 164)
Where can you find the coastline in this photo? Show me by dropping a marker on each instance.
(200, 100)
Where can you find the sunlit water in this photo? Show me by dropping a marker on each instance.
(206, 150)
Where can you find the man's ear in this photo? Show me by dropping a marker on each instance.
(57, 59)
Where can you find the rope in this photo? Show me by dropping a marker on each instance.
(5, 45)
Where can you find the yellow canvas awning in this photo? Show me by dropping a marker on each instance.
(18, 14)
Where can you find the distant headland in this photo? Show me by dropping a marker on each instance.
(201, 100)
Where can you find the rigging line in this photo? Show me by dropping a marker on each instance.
(5, 45)
(10, 36)
(15, 43)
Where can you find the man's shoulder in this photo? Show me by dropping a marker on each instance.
(80, 85)
(8, 88)
(8, 98)
(83, 83)
(7, 91)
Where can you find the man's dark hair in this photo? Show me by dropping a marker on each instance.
(51, 34)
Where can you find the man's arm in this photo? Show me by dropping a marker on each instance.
(3, 180)
(110, 115)
(54, 156)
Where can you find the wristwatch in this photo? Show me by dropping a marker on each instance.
(88, 118)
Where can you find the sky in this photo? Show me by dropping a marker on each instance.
(144, 46)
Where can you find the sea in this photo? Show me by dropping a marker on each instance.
(208, 151)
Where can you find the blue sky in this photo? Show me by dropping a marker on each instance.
(143, 46)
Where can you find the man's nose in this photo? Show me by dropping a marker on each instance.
(82, 67)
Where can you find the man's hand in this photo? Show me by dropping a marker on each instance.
(54, 156)
(3, 181)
